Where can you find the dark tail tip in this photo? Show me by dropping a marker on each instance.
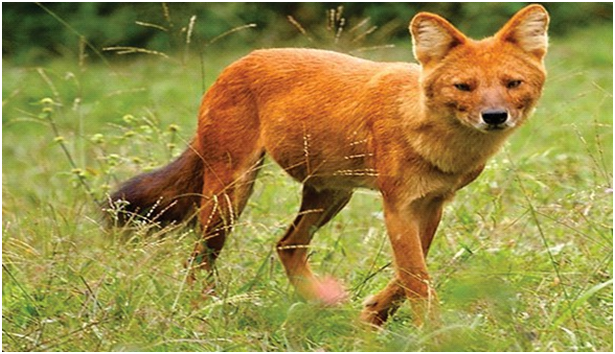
(164, 196)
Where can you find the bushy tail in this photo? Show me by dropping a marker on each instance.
(168, 194)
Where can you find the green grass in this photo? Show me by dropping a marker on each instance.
(522, 260)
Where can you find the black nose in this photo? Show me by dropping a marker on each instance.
(494, 116)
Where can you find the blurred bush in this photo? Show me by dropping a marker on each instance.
(32, 31)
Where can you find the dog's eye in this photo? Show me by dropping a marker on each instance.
(463, 87)
(513, 84)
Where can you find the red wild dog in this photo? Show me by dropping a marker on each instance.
(416, 133)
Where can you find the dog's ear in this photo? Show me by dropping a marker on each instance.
(528, 30)
(433, 37)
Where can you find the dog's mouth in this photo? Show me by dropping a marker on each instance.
(495, 127)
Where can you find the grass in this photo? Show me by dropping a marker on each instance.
(522, 260)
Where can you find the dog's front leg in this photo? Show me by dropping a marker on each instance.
(411, 228)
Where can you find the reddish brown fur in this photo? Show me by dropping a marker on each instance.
(336, 123)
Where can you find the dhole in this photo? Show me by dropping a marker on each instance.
(416, 133)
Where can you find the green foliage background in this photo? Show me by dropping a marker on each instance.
(30, 32)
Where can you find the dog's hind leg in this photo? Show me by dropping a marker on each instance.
(317, 208)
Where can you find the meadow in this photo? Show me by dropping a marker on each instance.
(522, 261)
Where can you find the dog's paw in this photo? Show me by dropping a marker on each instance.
(330, 292)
